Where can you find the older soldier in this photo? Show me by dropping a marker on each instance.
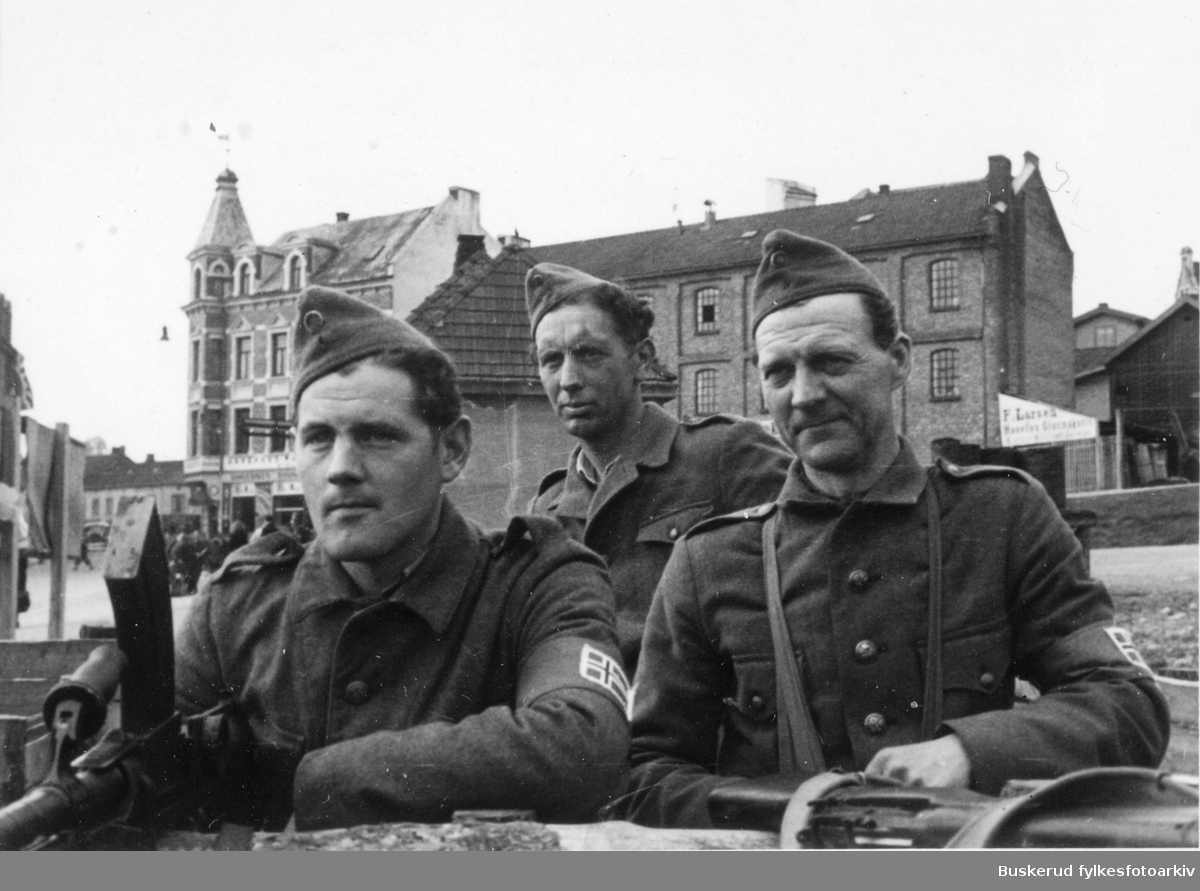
(405, 663)
(875, 616)
(638, 479)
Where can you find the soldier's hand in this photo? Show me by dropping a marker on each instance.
(938, 762)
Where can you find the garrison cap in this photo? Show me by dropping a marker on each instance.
(334, 329)
(795, 268)
(549, 285)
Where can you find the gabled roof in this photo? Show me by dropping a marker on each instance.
(1152, 326)
(1108, 312)
(118, 471)
(901, 216)
(362, 248)
(226, 224)
(1088, 359)
(478, 316)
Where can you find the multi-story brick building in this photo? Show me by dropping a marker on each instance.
(981, 271)
(240, 312)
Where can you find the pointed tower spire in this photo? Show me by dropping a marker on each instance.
(226, 224)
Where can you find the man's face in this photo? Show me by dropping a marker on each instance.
(590, 374)
(828, 385)
(372, 470)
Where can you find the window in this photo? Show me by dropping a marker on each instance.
(194, 435)
(212, 444)
(176, 504)
(943, 374)
(241, 358)
(108, 508)
(279, 344)
(197, 284)
(294, 273)
(244, 280)
(218, 280)
(195, 361)
(95, 508)
(943, 285)
(1106, 335)
(706, 311)
(706, 391)
(279, 437)
(241, 436)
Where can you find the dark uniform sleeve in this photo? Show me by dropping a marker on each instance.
(1097, 708)
(677, 709)
(559, 749)
(198, 682)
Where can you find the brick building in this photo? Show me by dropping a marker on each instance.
(240, 312)
(111, 480)
(981, 271)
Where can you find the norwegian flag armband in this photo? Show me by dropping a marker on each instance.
(575, 663)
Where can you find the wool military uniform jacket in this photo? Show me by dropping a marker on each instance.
(855, 586)
(676, 475)
(489, 679)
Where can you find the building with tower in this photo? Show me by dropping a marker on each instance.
(240, 310)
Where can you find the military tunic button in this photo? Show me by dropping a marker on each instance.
(865, 650)
(756, 702)
(673, 534)
(875, 724)
(987, 679)
(858, 579)
(356, 693)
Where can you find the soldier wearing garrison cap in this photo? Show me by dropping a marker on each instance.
(874, 616)
(639, 478)
(405, 663)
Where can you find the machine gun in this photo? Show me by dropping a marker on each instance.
(1122, 807)
(158, 770)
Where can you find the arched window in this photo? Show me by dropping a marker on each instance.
(943, 285)
(943, 375)
(706, 310)
(197, 284)
(294, 267)
(244, 280)
(706, 391)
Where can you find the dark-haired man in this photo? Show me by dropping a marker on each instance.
(875, 615)
(639, 478)
(405, 663)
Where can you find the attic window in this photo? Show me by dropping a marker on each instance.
(750, 234)
(865, 218)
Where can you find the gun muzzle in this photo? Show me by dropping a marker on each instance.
(92, 686)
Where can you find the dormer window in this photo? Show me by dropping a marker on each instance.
(243, 279)
(218, 280)
(295, 267)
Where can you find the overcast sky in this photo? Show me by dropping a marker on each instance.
(572, 120)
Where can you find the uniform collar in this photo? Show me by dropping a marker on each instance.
(903, 483)
(651, 448)
(432, 589)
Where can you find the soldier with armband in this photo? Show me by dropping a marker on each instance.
(405, 663)
(873, 617)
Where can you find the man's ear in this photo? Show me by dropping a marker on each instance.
(454, 447)
(645, 352)
(900, 352)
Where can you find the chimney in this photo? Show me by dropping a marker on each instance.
(1031, 166)
(514, 241)
(149, 457)
(342, 216)
(710, 215)
(786, 194)
(999, 178)
(679, 223)
(118, 451)
(468, 247)
(885, 189)
(1103, 306)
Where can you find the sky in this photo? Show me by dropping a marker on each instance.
(572, 120)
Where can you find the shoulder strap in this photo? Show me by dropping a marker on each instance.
(933, 657)
(799, 746)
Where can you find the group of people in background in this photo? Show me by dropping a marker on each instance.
(191, 554)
